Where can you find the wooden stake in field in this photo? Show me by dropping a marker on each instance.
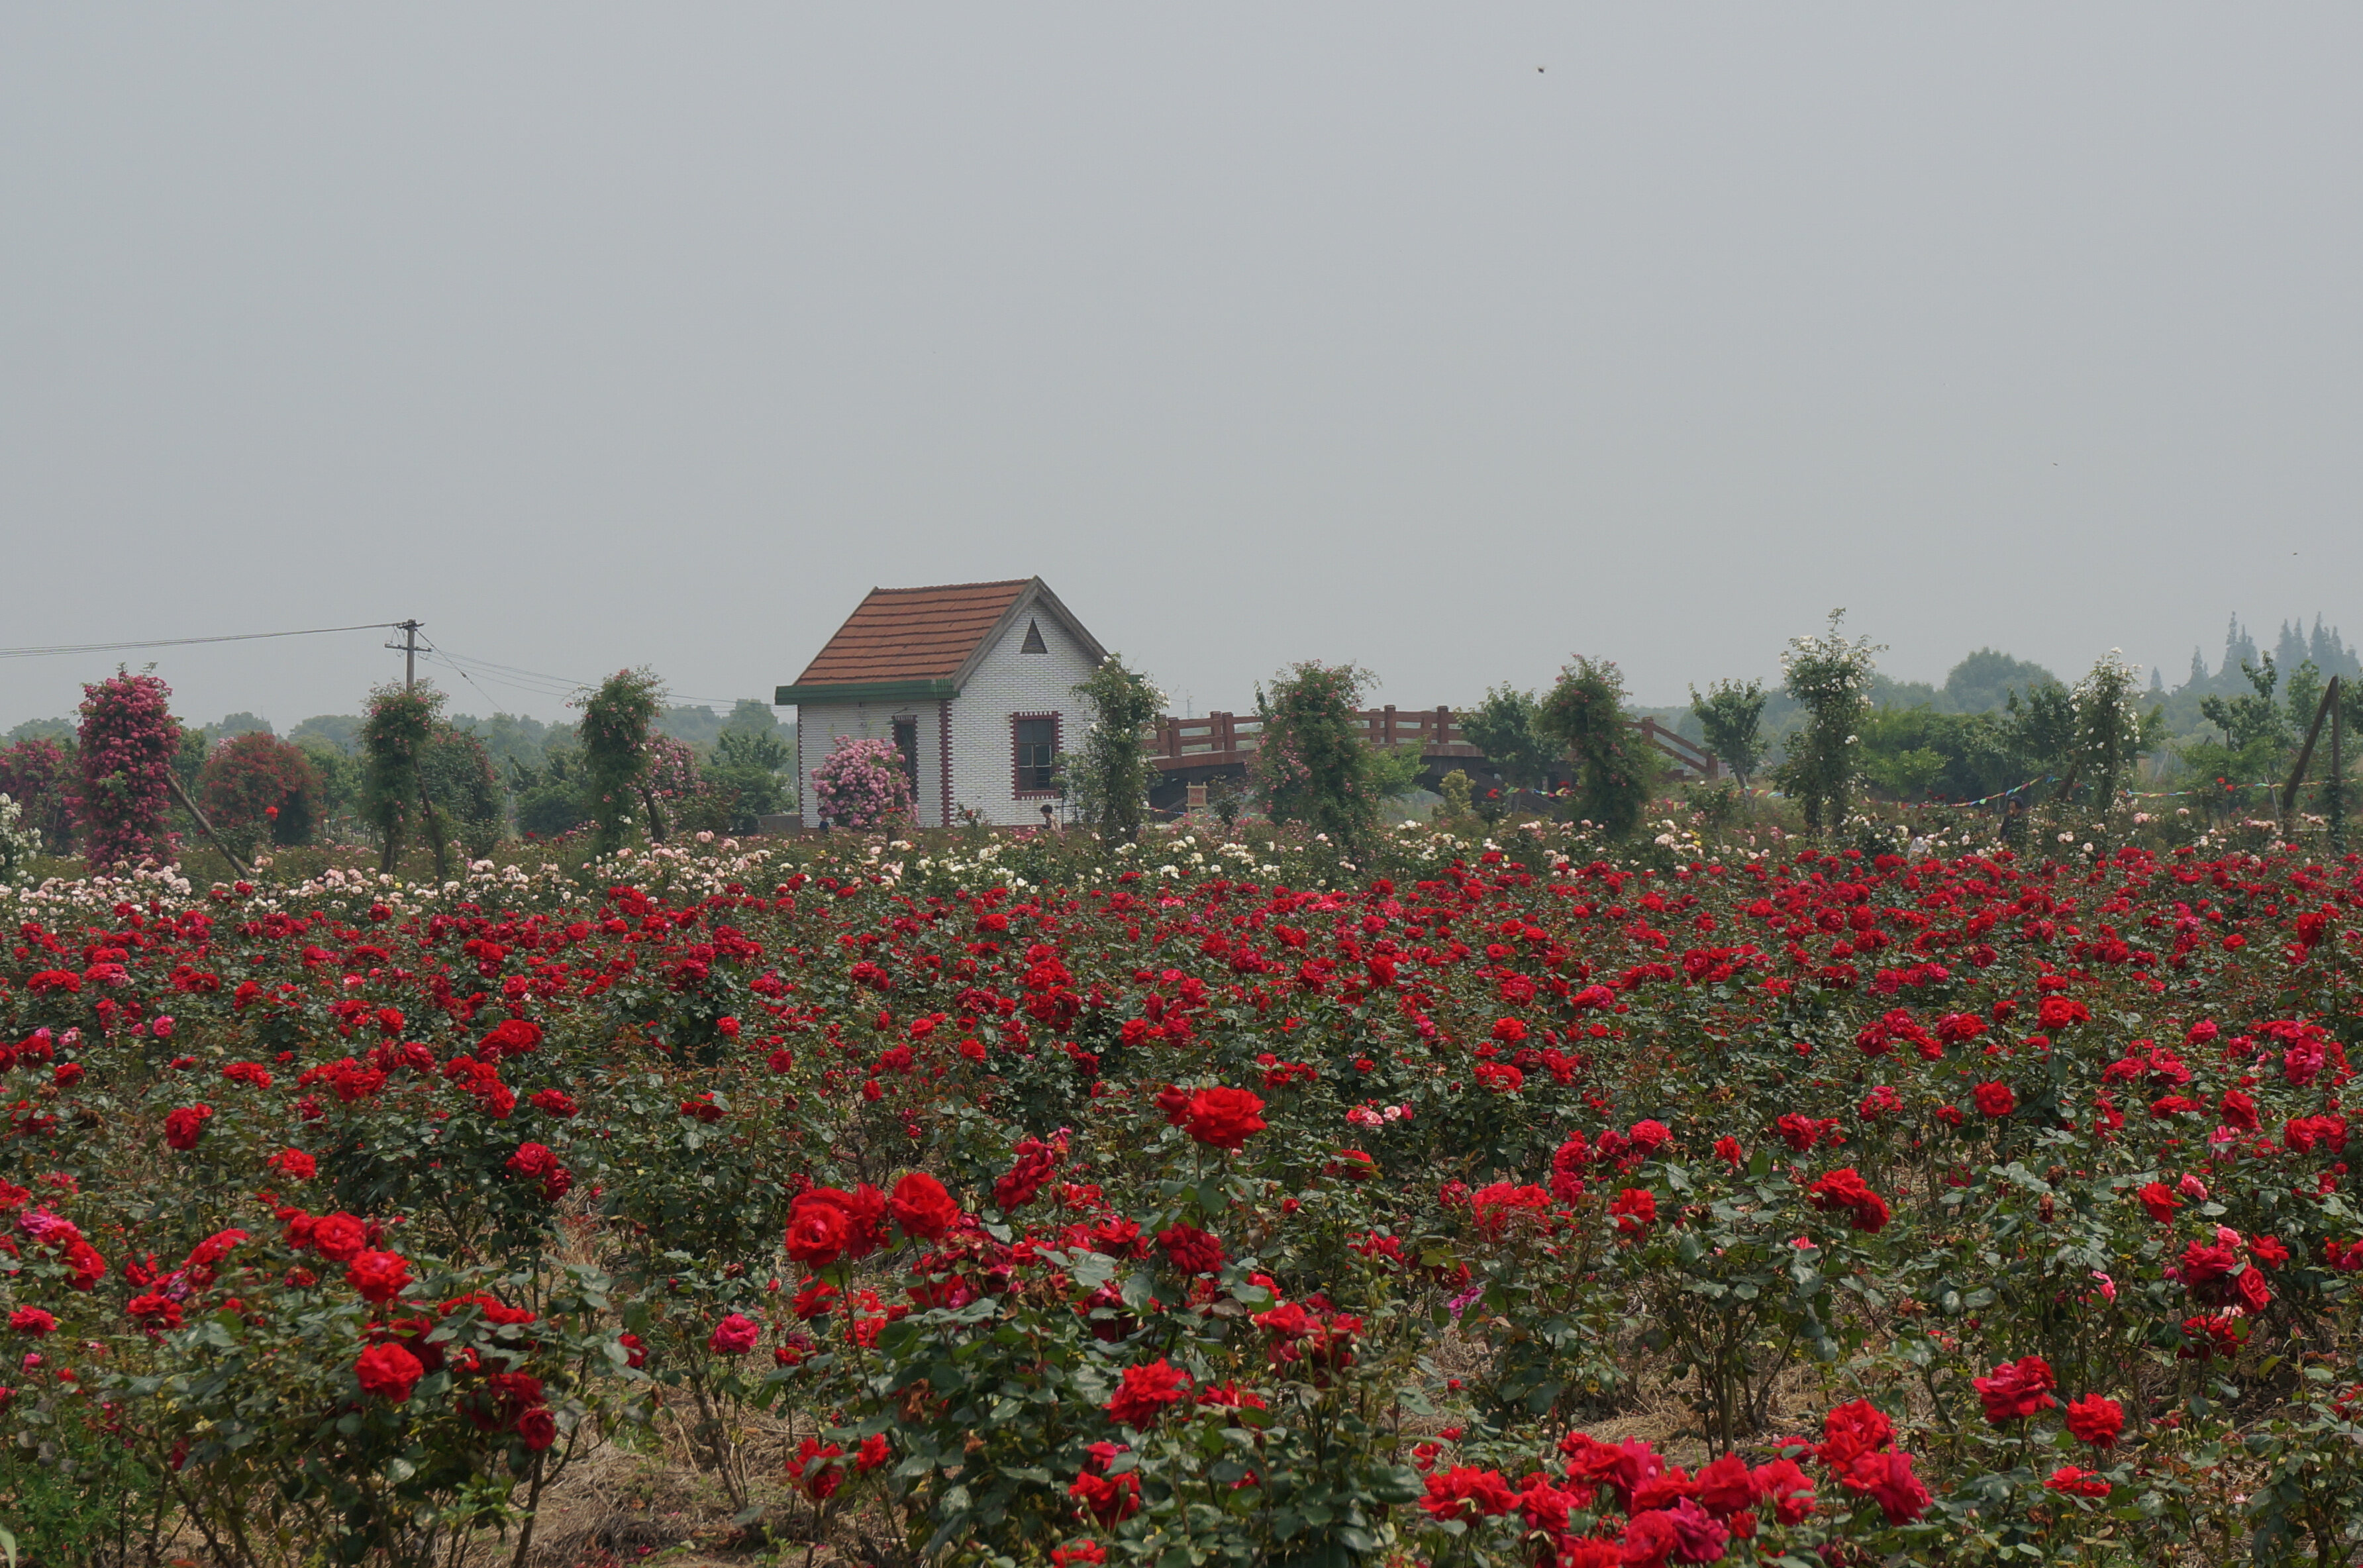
(2305, 756)
(205, 827)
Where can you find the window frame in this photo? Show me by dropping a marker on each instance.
(1017, 787)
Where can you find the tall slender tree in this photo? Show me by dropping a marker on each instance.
(1109, 774)
(617, 719)
(1830, 677)
(1585, 712)
(1312, 764)
(1730, 716)
(401, 721)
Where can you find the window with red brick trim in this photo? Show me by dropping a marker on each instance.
(1033, 753)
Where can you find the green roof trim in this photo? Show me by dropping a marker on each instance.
(931, 690)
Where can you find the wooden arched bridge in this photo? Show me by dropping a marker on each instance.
(1221, 745)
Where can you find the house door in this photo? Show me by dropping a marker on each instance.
(906, 741)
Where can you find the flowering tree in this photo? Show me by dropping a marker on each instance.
(1109, 772)
(861, 784)
(256, 785)
(37, 775)
(615, 734)
(2110, 732)
(18, 843)
(125, 746)
(680, 788)
(1830, 676)
(672, 767)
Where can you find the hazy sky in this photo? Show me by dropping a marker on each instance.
(1446, 340)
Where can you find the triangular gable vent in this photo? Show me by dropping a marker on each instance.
(1034, 643)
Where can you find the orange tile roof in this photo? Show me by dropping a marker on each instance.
(911, 633)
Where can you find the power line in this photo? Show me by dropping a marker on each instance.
(539, 683)
(471, 679)
(567, 681)
(63, 649)
(543, 683)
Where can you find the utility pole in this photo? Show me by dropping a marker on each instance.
(408, 647)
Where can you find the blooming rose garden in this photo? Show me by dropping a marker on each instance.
(1204, 1202)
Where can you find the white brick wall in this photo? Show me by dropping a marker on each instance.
(1009, 682)
(817, 729)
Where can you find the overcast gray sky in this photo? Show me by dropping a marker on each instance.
(1446, 340)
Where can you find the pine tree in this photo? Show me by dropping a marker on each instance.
(2290, 651)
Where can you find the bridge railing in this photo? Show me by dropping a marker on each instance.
(1227, 740)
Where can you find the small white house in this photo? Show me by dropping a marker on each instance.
(974, 683)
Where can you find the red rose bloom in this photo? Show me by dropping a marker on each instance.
(818, 1230)
(1465, 1491)
(338, 1237)
(184, 1127)
(389, 1372)
(811, 1469)
(1110, 1498)
(1725, 1487)
(1845, 1189)
(1852, 1430)
(1786, 1488)
(2015, 1390)
(1886, 1476)
(1224, 1118)
(537, 1428)
(1649, 1540)
(1191, 1250)
(2077, 1483)
(1636, 1209)
(1145, 1391)
(2204, 1264)
(538, 1162)
(1994, 1100)
(2096, 1420)
(922, 1207)
(1036, 1162)
(379, 1277)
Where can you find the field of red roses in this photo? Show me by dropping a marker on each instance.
(1204, 1204)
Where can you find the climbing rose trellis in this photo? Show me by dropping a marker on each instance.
(128, 739)
(861, 784)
